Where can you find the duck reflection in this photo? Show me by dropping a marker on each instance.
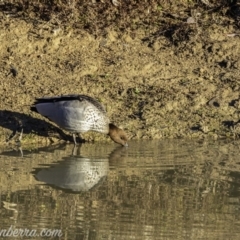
(78, 173)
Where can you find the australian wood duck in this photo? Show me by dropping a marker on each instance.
(78, 114)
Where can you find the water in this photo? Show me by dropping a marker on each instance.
(171, 189)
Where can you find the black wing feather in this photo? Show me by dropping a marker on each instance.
(68, 98)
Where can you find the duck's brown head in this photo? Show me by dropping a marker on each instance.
(117, 135)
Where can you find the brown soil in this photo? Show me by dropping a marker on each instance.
(158, 75)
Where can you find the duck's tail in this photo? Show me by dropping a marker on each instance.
(33, 108)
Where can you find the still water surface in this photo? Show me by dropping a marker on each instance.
(170, 189)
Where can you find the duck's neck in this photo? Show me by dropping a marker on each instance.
(112, 128)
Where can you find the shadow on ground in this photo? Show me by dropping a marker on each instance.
(15, 122)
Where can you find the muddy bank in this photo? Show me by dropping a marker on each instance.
(166, 76)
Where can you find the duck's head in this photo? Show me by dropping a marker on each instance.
(117, 135)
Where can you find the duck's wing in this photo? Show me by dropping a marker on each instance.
(70, 98)
(76, 113)
(96, 103)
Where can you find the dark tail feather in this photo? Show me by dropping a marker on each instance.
(34, 109)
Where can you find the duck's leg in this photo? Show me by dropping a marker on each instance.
(76, 150)
(18, 142)
(74, 139)
(21, 151)
(81, 140)
(21, 134)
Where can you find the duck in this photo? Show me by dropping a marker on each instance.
(79, 114)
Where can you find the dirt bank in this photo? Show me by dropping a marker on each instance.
(163, 70)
